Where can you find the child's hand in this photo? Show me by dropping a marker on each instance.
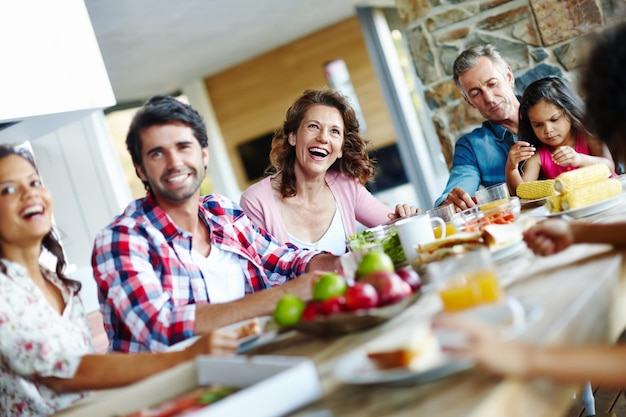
(520, 152)
(565, 156)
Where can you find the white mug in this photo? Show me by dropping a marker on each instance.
(415, 230)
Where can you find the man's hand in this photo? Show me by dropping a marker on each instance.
(460, 199)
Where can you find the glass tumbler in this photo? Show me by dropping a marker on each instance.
(466, 280)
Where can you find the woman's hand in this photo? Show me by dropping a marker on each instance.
(403, 210)
(549, 237)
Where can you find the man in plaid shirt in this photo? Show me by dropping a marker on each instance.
(174, 264)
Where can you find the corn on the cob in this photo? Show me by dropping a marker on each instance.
(591, 194)
(581, 177)
(553, 203)
(532, 190)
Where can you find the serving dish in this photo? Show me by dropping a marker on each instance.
(347, 322)
(476, 218)
(589, 210)
(357, 369)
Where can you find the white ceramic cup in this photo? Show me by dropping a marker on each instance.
(417, 229)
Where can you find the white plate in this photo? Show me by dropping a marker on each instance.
(580, 212)
(244, 342)
(509, 251)
(356, 368)
(263, 321)
(510, 317)
(535, 202)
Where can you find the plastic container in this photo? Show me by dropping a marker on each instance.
(476, 218)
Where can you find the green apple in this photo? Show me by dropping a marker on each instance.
(288, 310)
(374, 262)
(329, 285)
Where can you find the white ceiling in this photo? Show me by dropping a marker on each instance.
(155, 46)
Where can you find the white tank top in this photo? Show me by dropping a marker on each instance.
(333, 241)
(222, 273)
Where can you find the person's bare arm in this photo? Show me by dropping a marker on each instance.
(212, 316)
(553, 236)
(605, 365)
(119, 369)
(610, 233)
(599, 153)
(324, 262)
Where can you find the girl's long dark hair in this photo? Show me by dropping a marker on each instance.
(50, 242)
(555, 90)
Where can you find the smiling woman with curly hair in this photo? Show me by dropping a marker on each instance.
(314, 194)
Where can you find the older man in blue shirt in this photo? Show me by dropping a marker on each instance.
(487, 84)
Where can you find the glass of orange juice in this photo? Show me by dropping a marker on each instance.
(466, 280)
(445, 212)
(492, 196)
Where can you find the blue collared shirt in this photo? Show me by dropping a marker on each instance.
(479, 159)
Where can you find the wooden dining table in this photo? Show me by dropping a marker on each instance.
(577, 294)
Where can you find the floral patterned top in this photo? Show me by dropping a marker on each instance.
(36, 341)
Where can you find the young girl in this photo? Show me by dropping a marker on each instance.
(551, 113)
(46, 359)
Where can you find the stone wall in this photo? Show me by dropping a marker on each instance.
(536, 38)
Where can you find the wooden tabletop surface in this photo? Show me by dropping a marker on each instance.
(578, 294)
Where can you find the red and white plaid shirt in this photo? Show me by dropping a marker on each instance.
(148, 285)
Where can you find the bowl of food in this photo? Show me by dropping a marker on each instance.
(383, 237)
(476, 218)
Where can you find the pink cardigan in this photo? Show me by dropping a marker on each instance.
(355, 203)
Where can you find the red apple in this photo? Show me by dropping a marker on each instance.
(311, 310)
(389, 286)
(332, 305)
(411, 277)
(361, 296)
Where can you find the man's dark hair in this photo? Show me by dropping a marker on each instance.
(161, 110)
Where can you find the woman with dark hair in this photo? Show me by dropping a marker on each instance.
(315, 192)
(551, 115)
(46, 359)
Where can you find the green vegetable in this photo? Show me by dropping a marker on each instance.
(217, 394)
(388, 238)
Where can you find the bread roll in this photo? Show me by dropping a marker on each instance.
(415, 348)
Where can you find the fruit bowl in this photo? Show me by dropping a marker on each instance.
(347, 322)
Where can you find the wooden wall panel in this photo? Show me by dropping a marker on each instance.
(251, 99)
